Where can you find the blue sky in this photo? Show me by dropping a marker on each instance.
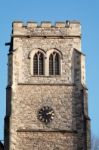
(86, 11)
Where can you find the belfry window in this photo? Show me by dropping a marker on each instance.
(54, 64)
(38, 64)
(51, 64)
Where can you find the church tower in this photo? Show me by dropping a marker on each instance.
(46, 95)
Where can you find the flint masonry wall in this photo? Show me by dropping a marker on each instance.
(63, 37)
(29, 93)
(28, 126)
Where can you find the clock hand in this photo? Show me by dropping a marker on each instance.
(49, 113)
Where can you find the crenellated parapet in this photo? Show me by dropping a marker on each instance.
(46, 29)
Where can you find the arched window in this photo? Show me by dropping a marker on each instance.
(38, 64)
(35, 64)
(57, 64)
(51, 64)
(54, 64)
(41, 64)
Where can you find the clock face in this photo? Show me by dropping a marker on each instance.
(46, 114)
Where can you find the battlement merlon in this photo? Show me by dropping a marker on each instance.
(46, 29)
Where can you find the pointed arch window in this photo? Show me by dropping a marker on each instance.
(51, 64)
(38, 64)
(54, 64)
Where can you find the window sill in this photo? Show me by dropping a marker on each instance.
(49, 76)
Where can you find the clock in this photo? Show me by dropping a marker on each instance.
(46, 114)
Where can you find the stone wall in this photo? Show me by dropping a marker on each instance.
(23, 61)
(46, 141)
(60, 98)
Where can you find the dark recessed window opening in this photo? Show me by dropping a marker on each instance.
(54, 64)
(38, 64)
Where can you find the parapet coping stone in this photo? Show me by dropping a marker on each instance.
(44, 24)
